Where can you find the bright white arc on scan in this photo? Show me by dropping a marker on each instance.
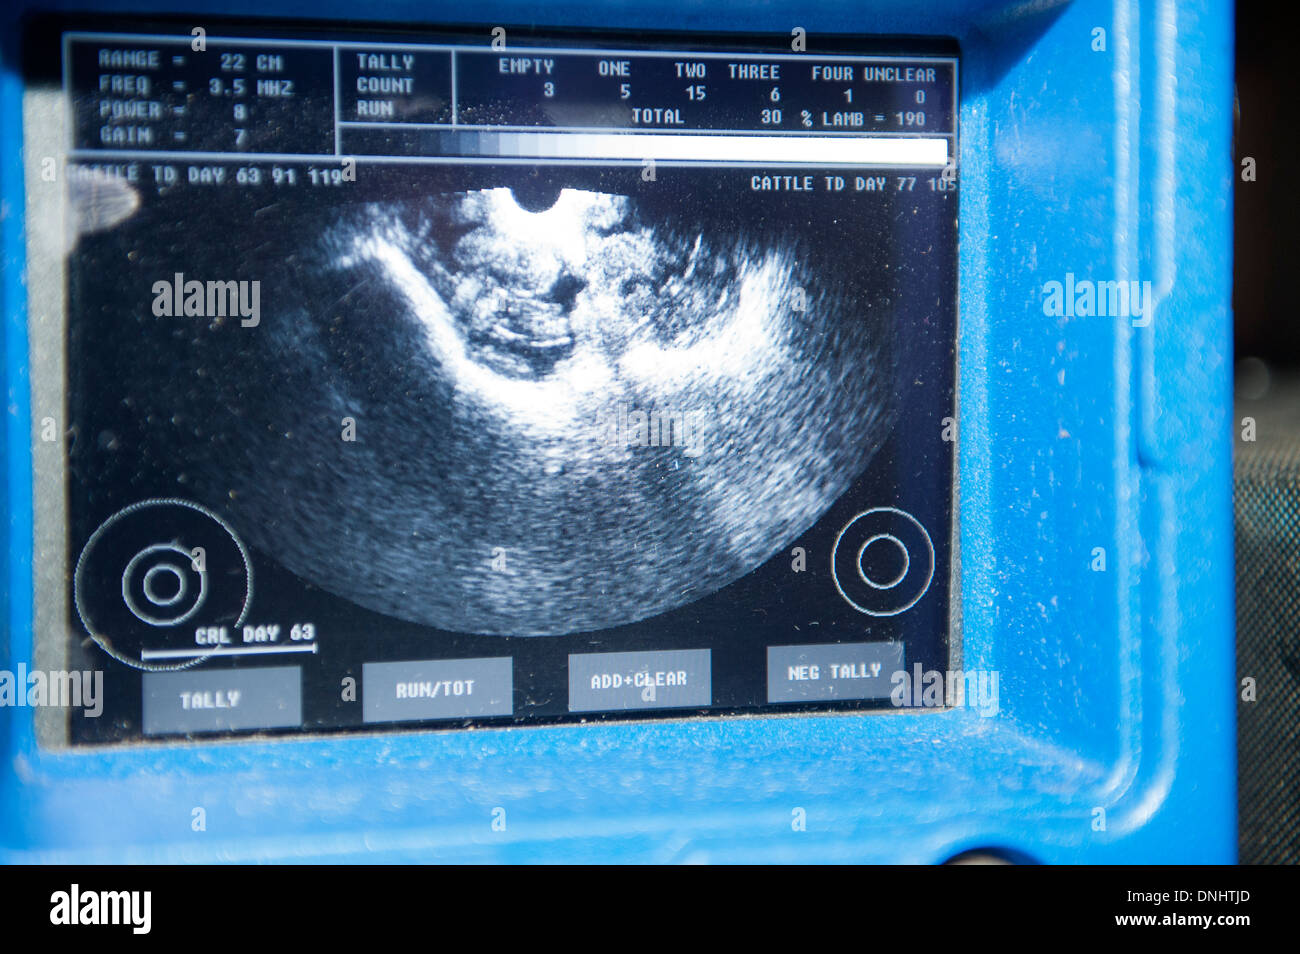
(735, 350)
(563, 237)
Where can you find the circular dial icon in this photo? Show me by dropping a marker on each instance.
(883, 561)
(152, 574)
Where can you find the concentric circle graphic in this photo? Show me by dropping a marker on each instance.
(898, 577)
(883, 561)
(150, 569)
(147, 581)
(150, 584)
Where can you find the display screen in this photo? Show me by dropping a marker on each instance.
(484, 377)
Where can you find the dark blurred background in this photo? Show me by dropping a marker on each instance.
(1267, 255)
(1266, 446)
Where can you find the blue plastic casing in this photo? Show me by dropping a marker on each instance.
(1114, 740)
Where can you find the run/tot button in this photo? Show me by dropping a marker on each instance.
(437, 689)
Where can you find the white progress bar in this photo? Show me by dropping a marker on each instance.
(226, 651)
(805, 150)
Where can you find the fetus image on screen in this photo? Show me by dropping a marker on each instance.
(493, 414)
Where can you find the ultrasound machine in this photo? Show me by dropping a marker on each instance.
(604, 431)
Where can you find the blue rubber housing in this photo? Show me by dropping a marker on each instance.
(1115, 736)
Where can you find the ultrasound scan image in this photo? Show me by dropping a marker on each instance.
(492, 357)
(510, 370)
(462, 412)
